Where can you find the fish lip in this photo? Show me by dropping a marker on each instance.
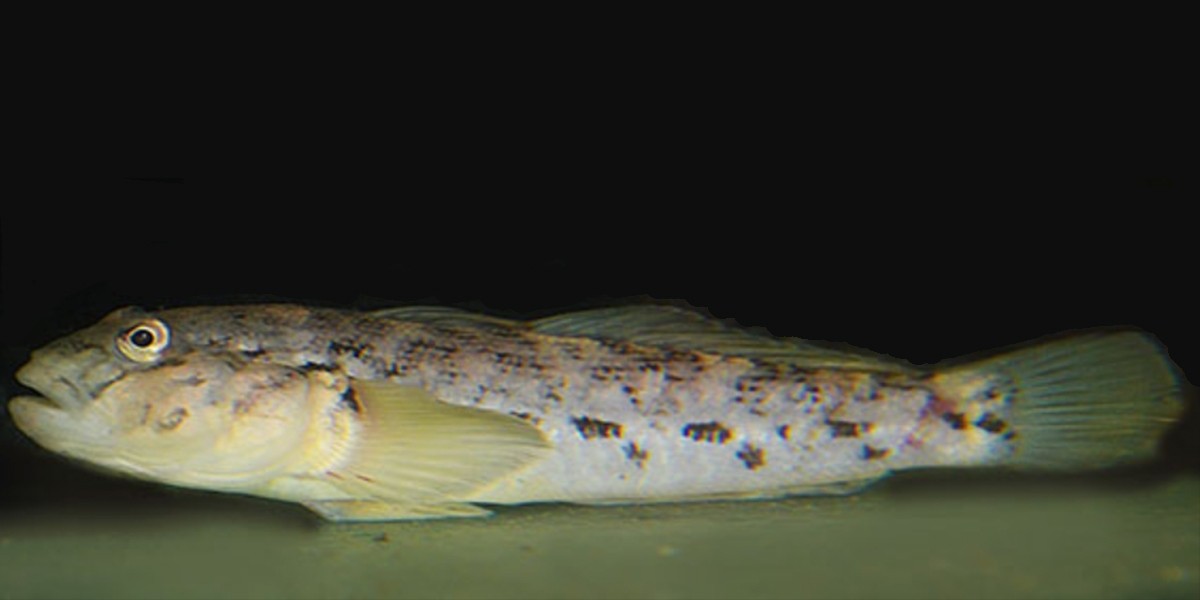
(27, 377)
(41, 401)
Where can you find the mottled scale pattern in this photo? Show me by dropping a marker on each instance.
(632, 422)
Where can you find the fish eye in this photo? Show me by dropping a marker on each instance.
(145, 341)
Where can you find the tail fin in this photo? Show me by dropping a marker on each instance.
(1087, 401)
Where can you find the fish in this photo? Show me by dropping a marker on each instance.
(434, 412)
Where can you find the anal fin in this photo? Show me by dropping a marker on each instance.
(370, 510)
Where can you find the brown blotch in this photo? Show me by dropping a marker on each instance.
(350, 399)
(843, 428)
(192, 380)
(752, 456)
(955, 420)
(524, 416)
(870, 453)
(784, 431)
(636, 454)
(592, 428)
(990, 423)
(711, 431)
(172, 419)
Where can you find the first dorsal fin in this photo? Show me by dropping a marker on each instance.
(669, 327)
(444, 316)
(414, 450)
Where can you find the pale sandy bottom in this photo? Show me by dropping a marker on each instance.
(892, 542)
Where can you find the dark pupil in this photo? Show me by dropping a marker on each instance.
(141, 338)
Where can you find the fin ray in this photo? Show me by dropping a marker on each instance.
(444, 316)
(670, 327)
(1088, 401)
(346, 511)
(416, 450)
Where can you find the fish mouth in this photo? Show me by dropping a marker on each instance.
(36, 416)
(55, 392)
(41, 402)
(68, 432)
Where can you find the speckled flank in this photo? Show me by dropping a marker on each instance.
(609, 407)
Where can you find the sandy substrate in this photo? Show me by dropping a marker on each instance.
(896, 541)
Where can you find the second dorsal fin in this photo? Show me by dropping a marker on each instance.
(669, 327)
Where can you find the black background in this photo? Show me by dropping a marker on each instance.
(925, 226)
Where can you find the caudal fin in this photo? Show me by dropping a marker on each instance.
(1087, 401)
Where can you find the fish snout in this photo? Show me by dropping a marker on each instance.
(60, 391)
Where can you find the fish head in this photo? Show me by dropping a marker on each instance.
(128, 394)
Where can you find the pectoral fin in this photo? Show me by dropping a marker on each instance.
(422, 455)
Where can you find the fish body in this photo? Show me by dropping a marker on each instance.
(422, 412)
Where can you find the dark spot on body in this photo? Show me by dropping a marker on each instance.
(898, 381)
(843, 428)
(990, 423)
(172, 419)
(350, 400)
(256, 352)
(358, 350)
(1010, 435)
(955, 420)
(711, 431)
(870, 453)
(784, 431)
(650, 367)
(364, 478)
(590, 428)
(751, 456)
(524, 416)
(636, 454)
